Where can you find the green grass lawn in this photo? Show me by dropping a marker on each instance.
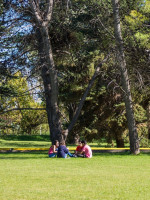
(38, 141)
(34, 176)
(22, 144)
(21, 141)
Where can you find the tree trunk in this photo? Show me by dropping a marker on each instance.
(48, 71)
(49, 77)
(119, 141)
(133, 135)
(49, 74)
(81, 103)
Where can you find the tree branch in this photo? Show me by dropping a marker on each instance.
(97, 70)
(48, 13)
(35, 10)
(21, 109)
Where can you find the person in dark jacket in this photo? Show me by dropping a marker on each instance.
(63, 151)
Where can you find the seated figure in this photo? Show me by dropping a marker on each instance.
(63, 151)
(79, 149)
(86, 150)
(53, 149)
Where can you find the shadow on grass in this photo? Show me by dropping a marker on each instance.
(108, 154)
(44, 155)
(24, 155)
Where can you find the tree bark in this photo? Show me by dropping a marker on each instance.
(133, 135)
(49, 76)
(48, 70)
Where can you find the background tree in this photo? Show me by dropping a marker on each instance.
(81, 35)
(21, 118)
(133, 135)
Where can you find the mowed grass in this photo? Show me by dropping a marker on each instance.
(34, 176)
(36, 144)
(39, 141)
(24, 144)
(21, 141)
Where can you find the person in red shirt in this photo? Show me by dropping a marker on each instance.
(79, 149)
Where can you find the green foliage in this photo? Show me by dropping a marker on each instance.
(81, 36)
(24, 120)
(138, 22)
(140, 113)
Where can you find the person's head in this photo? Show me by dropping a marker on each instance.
(56, 143)
(79, 142)
(83, 142)
(62, 142)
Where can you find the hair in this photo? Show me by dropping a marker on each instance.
(55, 142)
(62, 142)
(84, 142)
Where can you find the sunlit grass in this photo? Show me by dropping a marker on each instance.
(39, 141)
(34, 176)
(17, 144)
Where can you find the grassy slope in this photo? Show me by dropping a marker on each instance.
(26, 176)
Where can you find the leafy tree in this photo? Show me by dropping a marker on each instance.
(48, 70)
(133, 135)
(22, 118)
(81, 35)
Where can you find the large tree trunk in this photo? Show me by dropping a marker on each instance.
(133, 135)
(48, 70)
(49, 76)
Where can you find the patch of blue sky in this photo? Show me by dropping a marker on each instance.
(14, 27)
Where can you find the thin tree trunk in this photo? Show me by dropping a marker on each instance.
(80, 105)
(133, 135)
(119, 140)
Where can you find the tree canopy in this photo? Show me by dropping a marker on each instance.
(56, 47)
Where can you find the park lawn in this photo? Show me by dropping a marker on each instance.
(34, 176)
(35, 142)
(24, 144)
(41, 141)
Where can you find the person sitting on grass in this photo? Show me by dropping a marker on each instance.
(53, 149)
(63, 151)
(79, 148)
(86, 150)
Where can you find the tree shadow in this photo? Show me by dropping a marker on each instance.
(44, 155)
(24, 155)
(127, 153)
